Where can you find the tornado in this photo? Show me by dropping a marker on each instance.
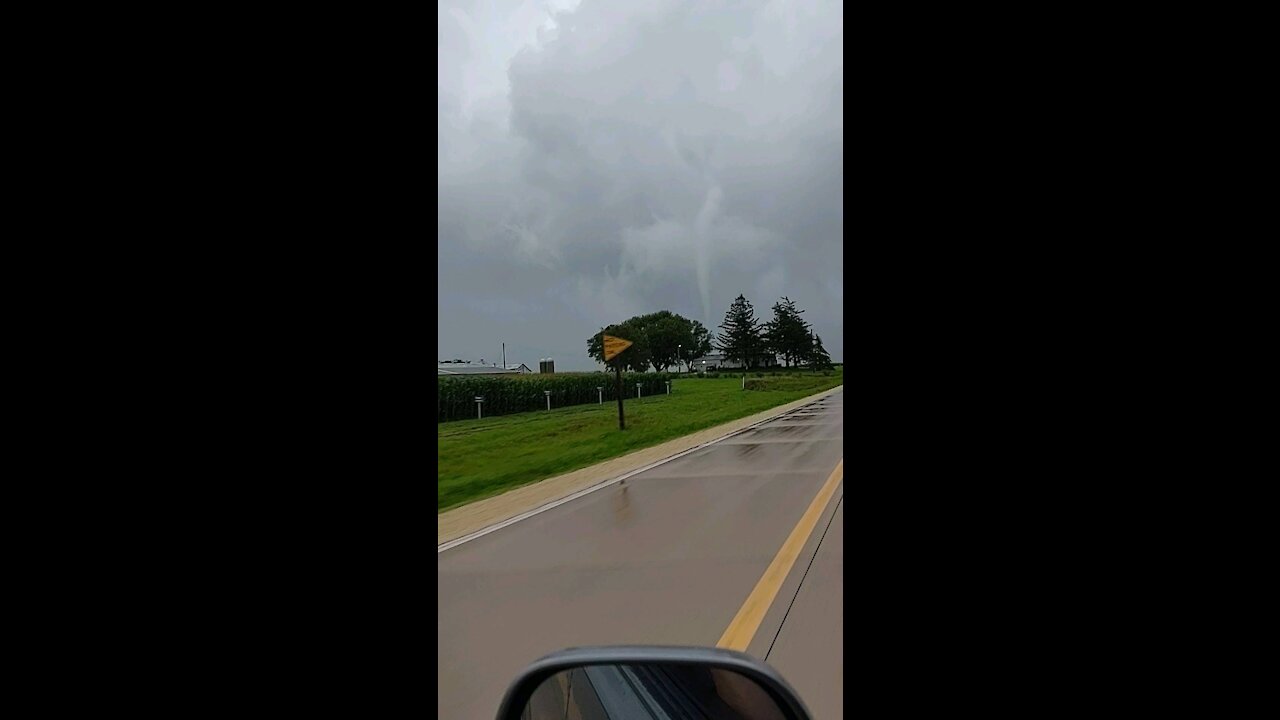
(702, 247)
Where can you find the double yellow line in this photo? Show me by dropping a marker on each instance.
(739, 633)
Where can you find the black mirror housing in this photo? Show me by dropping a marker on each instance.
(521, 692)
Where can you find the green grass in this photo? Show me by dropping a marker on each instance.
(482, 458)
(780, 383)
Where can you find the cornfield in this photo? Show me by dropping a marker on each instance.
(523, 393)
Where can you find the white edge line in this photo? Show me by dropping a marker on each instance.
(586, 491)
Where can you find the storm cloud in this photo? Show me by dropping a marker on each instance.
(603, 159)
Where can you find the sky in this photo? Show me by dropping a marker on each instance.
(600, 159)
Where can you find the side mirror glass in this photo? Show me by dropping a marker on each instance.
(650, 683)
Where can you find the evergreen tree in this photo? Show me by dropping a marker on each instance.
(741, 337)
(788, 334)
(818, 356)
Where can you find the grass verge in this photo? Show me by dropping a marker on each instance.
(482, 458)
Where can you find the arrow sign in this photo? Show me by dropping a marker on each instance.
(613, 346)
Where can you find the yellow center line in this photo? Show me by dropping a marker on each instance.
(739, 633)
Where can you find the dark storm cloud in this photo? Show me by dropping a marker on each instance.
(619, 158)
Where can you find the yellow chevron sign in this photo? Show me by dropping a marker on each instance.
(613, 346)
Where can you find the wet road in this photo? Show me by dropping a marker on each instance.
(666, 559)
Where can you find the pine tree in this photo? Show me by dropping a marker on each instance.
(772, 334)
(819, 357)
(788, 334)
(741, 337)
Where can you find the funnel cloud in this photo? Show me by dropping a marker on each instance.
(603, 159)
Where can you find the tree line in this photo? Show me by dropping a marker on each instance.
(744, 339)
(662, 340)
(665, 339)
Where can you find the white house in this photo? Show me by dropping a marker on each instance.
(717, 361)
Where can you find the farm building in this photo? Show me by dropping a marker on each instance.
(469, 369)
(717, 361)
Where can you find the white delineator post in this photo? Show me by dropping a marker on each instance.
(600, 393)
(479, 400)
(668, 387)
(548, 394)
(637, 391)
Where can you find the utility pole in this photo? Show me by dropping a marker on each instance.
(504, 356)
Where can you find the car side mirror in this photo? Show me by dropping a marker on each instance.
(641, 682)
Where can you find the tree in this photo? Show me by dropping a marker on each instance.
(674, 339)
(662, 339)
(635, 358)
(701, 342)
(818, 356)
(665, 333)
(742, 338)
(788, 334)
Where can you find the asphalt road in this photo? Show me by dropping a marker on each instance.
(668, 558)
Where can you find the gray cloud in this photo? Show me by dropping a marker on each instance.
(604, 159)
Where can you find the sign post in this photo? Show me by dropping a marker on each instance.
(622, 421)
(613, 346)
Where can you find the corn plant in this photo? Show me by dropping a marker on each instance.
(455, 396)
